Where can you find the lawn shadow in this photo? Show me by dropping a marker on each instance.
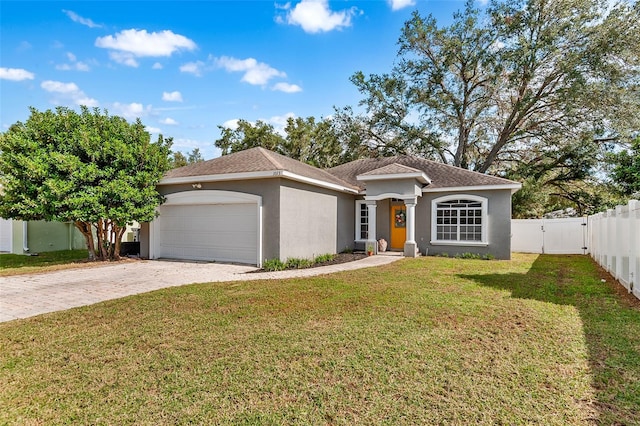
(610, 320)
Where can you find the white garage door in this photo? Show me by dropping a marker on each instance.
(211, 232)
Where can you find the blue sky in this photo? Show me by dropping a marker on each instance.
(184, 68)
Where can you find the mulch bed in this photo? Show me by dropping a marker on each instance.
(339, 258)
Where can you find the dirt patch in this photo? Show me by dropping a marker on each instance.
(339, 258)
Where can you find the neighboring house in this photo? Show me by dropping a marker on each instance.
(39, 236)
(28, 237)
(255, 205)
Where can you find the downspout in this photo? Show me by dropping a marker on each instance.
(25, 236)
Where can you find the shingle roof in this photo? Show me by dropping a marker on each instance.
(441, 175)
(255, 160)
(392, 169)
(345, 175)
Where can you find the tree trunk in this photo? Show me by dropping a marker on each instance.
(85, 229)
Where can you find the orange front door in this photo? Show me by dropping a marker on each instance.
(398, 226)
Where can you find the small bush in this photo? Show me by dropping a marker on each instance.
(347, 250)
(324, 258)
(273, 265)
(476, 256)
(295, 263)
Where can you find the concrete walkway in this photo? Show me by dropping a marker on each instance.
(23, 296)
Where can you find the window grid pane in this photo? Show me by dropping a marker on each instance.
(459, 220)
(363, 232)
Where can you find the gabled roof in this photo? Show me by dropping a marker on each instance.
(391, 169)
(442, 176)
(260, 163)
(394, 171)
(254, 163)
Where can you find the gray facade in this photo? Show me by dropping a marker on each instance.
(306, 212)
(498, 226)
(299, 220)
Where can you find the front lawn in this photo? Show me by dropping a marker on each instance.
(11, 264)
(537, 340)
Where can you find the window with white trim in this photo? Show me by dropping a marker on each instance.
(362, 221)
(459, 219)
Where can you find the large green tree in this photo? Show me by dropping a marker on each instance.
(178, 159)
(96, 170)
(502, 87)
(315, 142)
(625, 169)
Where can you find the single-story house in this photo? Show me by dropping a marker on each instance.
(256, 204)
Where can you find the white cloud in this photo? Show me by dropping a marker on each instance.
(79, 19)
(157, 66)
(124, 58)
(169, 121)
(314, 16)
(24, 46)
(127, 45)
(256, 73)
(172, 96)
(195, 68)
(231, 124)
(401, 4)
(74, 65)
(131, 111)
(154, 130)
(15, 74)
(65, 92)
(279, 122)
(286, 87)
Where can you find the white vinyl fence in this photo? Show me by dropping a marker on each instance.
(552, 236)
(614, 242)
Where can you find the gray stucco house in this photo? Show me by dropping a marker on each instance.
(256, 204)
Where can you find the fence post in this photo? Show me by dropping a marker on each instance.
(619, 236)
(634, 246)
(609, 234)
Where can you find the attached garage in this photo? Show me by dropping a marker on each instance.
(208, 226)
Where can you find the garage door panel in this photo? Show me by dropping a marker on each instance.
(220, 232)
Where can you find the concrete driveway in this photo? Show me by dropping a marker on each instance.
(23, 296)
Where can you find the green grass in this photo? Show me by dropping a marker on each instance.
(11, 263)
(537, 340)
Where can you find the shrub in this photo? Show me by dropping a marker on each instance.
(324, 258)
(474, 256)
(273, 265)
(295, 263)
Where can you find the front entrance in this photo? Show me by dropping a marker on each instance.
(398, 216)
